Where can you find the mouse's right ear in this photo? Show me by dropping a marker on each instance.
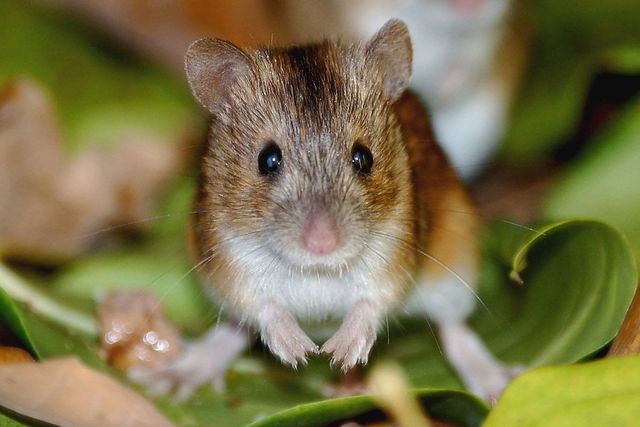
(389, 51)
(213, 66)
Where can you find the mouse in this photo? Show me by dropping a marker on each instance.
(324, 197)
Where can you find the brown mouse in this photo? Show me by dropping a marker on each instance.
(323, 195)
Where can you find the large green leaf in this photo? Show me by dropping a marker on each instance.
(584, 270)
(603, 183)
(549, 106)
(602, 393)
(456, 407)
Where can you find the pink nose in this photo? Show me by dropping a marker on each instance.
(320, 236)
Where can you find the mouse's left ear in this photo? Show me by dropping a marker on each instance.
(213, 67)
(389, 51)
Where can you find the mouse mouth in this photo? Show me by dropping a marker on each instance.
(275, 252)
(336, 264)
(313, 234)
(317, 250)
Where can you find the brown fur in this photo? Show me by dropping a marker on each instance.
(315, 102)
(446, 222)
(304, 101)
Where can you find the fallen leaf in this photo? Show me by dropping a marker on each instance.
(628, 340)
(53, 209)
(13, 355)
(65, 392)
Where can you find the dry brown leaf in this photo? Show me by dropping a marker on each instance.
(65, 392)
(164, 30)
(14, 355)
(52, 208)
(628, 340)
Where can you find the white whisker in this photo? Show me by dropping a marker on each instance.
(437, 261)
(129, 224)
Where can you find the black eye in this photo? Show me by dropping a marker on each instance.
(270, 159)
(361, 158)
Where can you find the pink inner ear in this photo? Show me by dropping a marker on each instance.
(213, 66)
(467, 6)
(390, 52)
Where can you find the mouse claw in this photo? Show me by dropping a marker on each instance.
(291, 345)
(346, 356)
(287, 340)
(352, 342)
(349, 347)
(281, 333)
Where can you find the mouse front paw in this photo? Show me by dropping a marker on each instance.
(350, 345)
(204, 361)
(288, 342)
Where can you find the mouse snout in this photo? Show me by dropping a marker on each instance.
(321, 235)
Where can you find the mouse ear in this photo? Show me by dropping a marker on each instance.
(213, 67)
(389, 50)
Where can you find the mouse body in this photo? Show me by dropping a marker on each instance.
(323, 195)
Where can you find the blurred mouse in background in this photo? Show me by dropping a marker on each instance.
(467, 54)
(465, 67)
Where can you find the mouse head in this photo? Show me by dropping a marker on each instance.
(306, 162)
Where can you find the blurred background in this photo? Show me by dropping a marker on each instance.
(536, 103)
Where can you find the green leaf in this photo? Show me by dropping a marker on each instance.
(623, 59)
(584, 270)
(549, 106)
(587, 25)
(43, 303)
(603, 182)
(573, 40)
(6, 421)
(45, 338)
(11, 317)
(457, 407)
(605, 392)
